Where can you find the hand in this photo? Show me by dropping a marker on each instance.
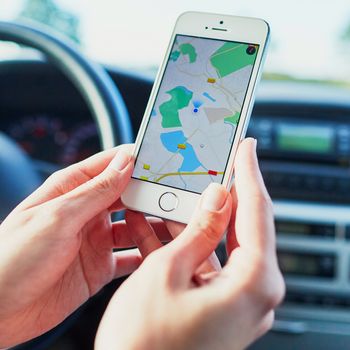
(56, 246)
(168, 304)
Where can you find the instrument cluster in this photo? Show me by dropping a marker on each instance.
(54, 140)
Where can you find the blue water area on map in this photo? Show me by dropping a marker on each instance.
(153, 113)
(205, 94)
(174, 55)
(171, 140)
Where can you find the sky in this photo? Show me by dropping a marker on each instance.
(134, 33)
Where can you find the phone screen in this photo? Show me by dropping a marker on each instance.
(193, 122)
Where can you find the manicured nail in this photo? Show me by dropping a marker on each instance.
(252, 141)
(120, 161)
(214, 197)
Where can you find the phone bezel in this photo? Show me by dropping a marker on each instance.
(144, 196)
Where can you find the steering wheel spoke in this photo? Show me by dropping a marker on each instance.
(19, 175)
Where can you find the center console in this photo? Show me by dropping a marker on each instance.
(304, 154)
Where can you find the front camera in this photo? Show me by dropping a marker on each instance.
(221, 22)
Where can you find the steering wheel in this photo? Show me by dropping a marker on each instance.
(18, 176)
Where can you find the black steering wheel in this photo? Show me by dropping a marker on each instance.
(18, 176)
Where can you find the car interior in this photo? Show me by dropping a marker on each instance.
(303, 134)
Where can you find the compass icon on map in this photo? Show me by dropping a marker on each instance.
(251, 49)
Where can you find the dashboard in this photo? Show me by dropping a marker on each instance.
(47, 117)
(53, 139)
(303, 134)
(308, 156)
(304, 152)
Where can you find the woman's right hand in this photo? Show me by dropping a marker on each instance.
(169, 304)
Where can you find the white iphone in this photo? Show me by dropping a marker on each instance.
(197, 114)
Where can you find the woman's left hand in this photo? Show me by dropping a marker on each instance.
(56, 247)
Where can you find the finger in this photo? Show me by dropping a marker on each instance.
(175, 228)
(231, 239)
(202, 235)
(67, 179)
(98, 194)
(253, 266)
(126, 262)
(210, 265)
(205, 278)
(142, 233)
(160, 228)
(254, 224)
(117, 206)
(122, 238)
(265, 325)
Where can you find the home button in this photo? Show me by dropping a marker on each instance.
(168, 201)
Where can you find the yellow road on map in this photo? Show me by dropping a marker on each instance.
(186, 173)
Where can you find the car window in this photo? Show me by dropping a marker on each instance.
(307, 43)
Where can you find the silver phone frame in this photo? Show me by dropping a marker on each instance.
(241, 29)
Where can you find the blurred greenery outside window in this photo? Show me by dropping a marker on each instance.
(50, 13)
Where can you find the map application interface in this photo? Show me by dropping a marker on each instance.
(193, 122)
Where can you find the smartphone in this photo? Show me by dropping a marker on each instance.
(197, 114)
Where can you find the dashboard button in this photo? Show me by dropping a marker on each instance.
(168, 201)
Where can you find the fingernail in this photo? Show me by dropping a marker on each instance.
(120, 161)
(253, 142)
(214, 197)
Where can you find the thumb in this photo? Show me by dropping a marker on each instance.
(99, 193)
(202, 234)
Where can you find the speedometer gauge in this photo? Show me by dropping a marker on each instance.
(40, 136)
(55, 141)
(82, 143)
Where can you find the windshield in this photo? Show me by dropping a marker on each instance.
(310, 39)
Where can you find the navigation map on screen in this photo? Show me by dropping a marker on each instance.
(194, 118)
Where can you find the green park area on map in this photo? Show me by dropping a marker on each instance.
(231, 57)
(188, 49)
(233, 119)
(180, 98)
(185, 49)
